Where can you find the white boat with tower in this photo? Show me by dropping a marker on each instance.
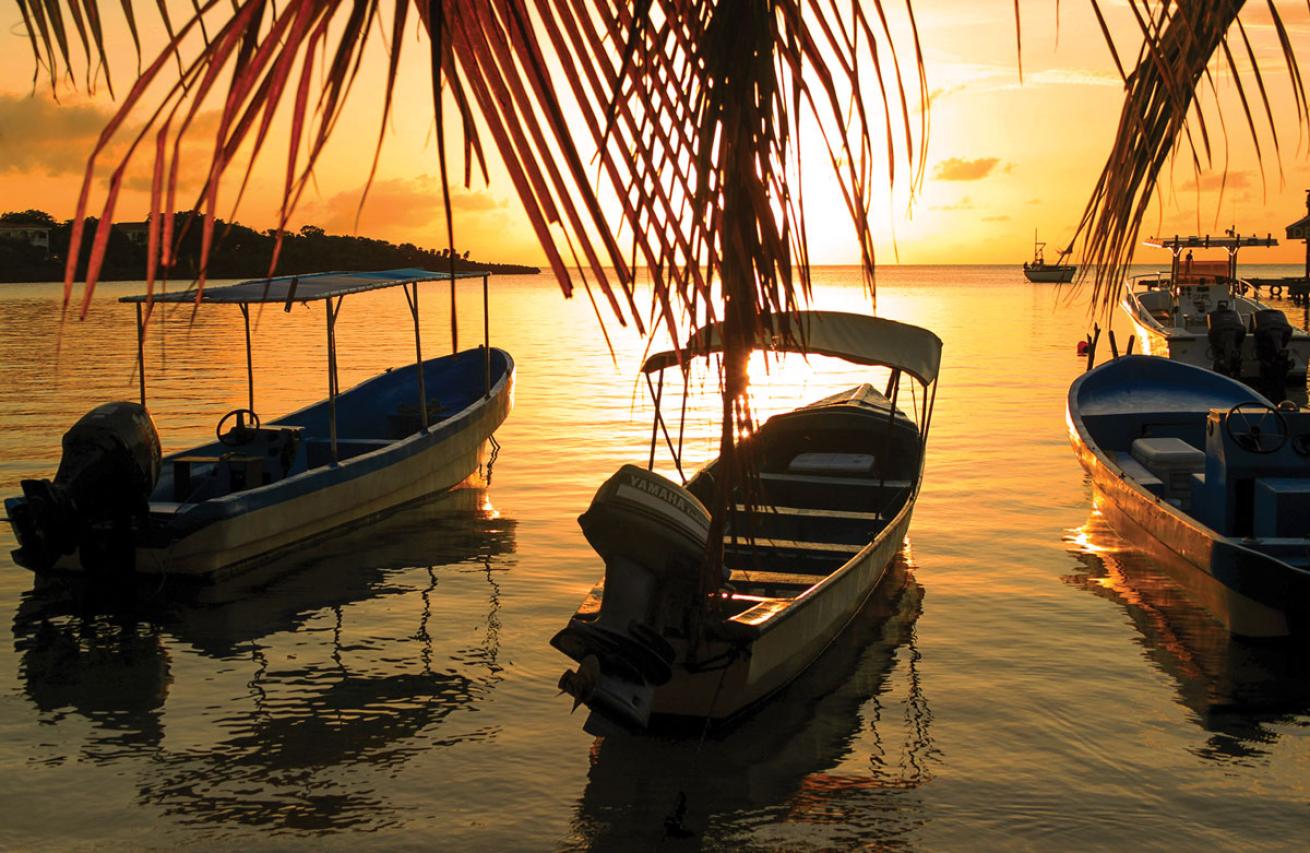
(1201, 313)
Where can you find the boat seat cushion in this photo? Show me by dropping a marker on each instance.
(832, 464)
(1173, 460)
(1168, 454)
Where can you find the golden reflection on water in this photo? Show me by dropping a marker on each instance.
(1237, 689)
(329, 680)
(394, 685)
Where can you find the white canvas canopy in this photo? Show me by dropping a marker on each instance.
(303, 288)
(857, 338)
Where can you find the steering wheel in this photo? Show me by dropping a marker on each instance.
(1248, 425)
(241, 433)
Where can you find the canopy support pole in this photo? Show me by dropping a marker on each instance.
(141, 353)
(682, 416)
(655, 424)
(932, 404)
(486, 339)
(893, 381)
(662, 427)
(418, 355)
(454, 317)
(332, 376)
(250, 365)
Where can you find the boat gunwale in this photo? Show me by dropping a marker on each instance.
(236, 504)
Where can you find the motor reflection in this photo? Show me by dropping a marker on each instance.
(338, 662)
(1234, 688)
(838, 755)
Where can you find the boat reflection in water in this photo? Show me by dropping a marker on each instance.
(835, 758)
(1234, 687)
(337, 666)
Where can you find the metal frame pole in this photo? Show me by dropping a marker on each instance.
(486, 339)
(141, 353)
(332, 377)
(418, 355)
(454, 316)
(250, 365)
(655, 424)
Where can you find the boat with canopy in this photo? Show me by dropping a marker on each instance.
(263, 486)
(671, 632)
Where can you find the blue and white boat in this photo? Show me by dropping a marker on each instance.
(263, 487)
(1207, 476)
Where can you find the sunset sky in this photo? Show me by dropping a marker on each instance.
(1005, 157)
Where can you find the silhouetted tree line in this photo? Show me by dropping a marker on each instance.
(239, 252)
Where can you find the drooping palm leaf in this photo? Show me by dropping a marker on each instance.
(694, 110)
(1180, 41)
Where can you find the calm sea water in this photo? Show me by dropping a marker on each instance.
(1024, 679)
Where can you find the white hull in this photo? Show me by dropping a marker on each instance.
(1050, 275)
(1192, 346)
(787, 645)
(329, 498)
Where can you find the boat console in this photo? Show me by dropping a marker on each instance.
(254, 456)
(1256, 481)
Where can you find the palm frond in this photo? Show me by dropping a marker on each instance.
(694, 110)
(1180, 40)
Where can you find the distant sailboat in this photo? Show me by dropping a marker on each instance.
(1038, 270)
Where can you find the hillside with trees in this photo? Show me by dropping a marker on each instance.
(239, 252)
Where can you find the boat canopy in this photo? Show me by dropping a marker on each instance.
(303, 288)
(857, 338)
(1229, 241)
(330, 288)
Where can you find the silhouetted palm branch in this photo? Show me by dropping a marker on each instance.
(695, 110)
(1161, 118)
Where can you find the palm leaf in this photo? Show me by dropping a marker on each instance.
(1180, 40)
(693, 110)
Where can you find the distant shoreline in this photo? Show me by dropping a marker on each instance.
(34, 247)
(491, 269)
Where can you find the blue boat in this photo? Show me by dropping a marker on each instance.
(1208, 477)
(263, 487)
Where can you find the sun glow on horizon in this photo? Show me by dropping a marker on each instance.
(1006, 157)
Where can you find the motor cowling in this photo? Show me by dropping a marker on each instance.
(99, 498)
(1273, 335)
(652, 535)
(1226, 333)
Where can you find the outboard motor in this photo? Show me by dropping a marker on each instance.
(100, 497)
(1273, 334)
(652, 534)
(1226, 334)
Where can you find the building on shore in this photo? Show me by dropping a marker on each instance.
(32, 234)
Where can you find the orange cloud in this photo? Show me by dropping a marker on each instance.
(36, 134)
(39, 135)
(399, 205)
(965, 203)
(1215, 180)
(955, 169)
